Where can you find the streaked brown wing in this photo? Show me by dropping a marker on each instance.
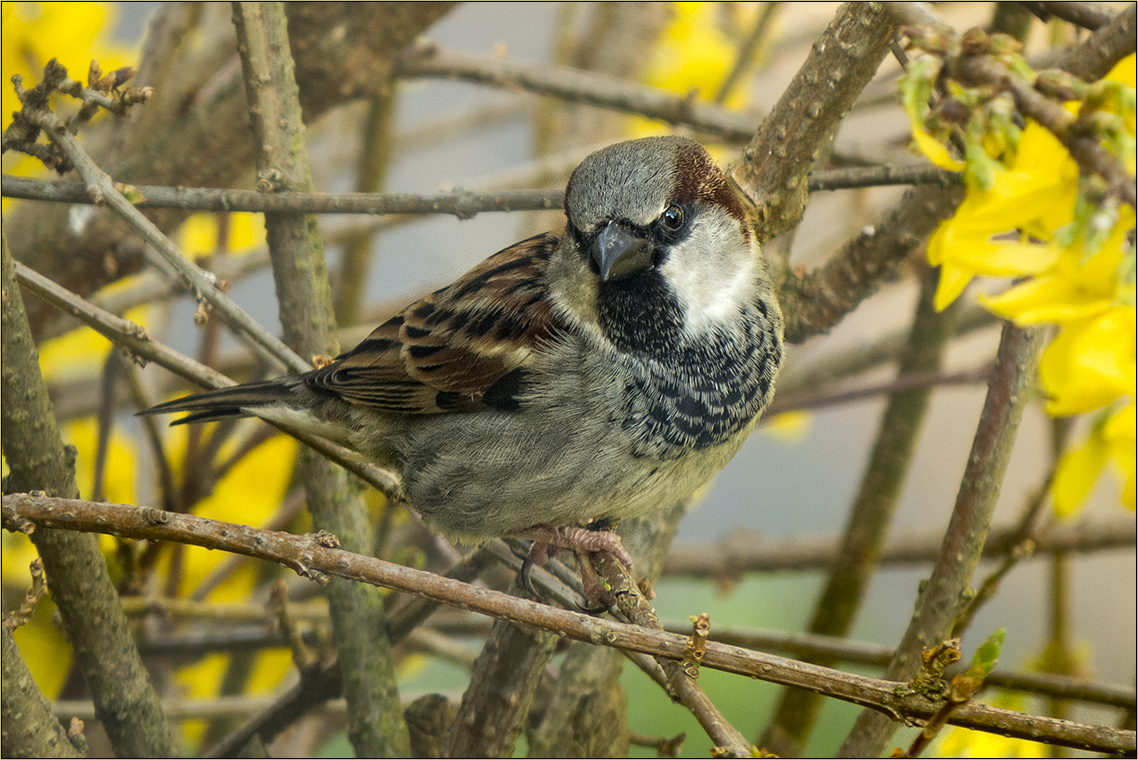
(462, 348)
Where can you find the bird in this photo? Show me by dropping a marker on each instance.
(575, 378)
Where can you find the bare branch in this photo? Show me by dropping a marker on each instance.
(428, 59)
(30, 729)
(744, 552)
(1096, 55)
(376, 725)
(1091, 16)
(312, 556)
(77, 574)
(980, 485)
(136, 340)
(772, 171)
(461, 204)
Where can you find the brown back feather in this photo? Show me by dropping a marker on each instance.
(445, 351)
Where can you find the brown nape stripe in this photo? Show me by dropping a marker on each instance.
(699, 180)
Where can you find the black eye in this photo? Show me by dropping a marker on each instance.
(672, 218)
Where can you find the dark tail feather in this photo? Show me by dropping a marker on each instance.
(226, 403)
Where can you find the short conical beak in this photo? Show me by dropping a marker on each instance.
(619, 253)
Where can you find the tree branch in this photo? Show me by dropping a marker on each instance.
(1096, 55)
(967, 531)
(773, 168)
(376, 726)
(744, 552)
(30, 728)
(428, 59)
(461, 204)
(871, 514)
(77, 575)
(313, 555)
(137, 341)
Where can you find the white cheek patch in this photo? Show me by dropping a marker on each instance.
(713, 273)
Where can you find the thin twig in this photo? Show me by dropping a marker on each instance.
(909, 382)
(430, 60)
(744, 552)
(463, 204)
(748, 50)
(137, 341)
(202, 285)
(1091, 16)
(242, 638)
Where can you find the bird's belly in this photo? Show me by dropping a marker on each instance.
(482, 476)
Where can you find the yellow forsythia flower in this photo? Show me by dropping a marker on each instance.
(1036, 195)
(1085, 286)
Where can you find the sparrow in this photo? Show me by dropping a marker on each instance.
(597, 373)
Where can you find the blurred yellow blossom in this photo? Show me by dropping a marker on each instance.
(791, 427)
(250, 493)
(1090, 363)
(198, 234)
(934, 150)
(694, 55)
(1110, 441)
(963, 742)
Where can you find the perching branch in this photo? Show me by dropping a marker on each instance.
(313, 556)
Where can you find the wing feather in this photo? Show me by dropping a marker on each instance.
(444, 352)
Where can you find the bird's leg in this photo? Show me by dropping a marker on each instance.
(577, 539)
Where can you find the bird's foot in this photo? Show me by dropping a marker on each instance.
(547, 540)
(571, 537)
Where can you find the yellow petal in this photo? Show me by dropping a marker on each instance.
(1119, 434)
(951, 283)
(1076, 473)
(1001, 258)
(1090, 363)
(934, 151)
(1041, 299)
(1123, 71)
